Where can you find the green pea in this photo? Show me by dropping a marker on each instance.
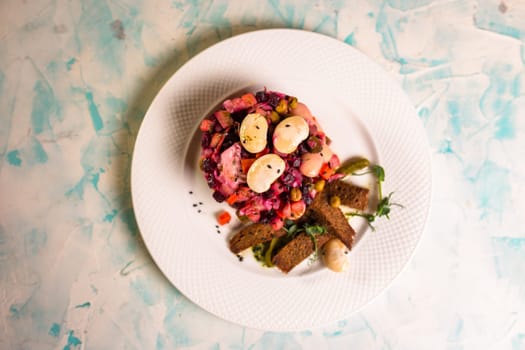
(293, 102)
(282, 107)
(319, 185)
(295, 194)
(335, 201)
(275, 117)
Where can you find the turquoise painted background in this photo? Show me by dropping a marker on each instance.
(76, 78)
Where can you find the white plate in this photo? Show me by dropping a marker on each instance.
(361, 109)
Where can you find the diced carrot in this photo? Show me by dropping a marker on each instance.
(224, 217)
(232, 198)
(246, 163)
(249, 99)
(326, 171)
(206, 125)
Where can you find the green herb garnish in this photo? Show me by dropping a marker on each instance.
(293, 229)
(268, 254)
(264, 252)
(312, 231)
(384, 204)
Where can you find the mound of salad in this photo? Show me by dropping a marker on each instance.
(266, 155)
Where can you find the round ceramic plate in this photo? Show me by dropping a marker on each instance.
(361, 109)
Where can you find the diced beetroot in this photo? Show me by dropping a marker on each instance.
(228, 105)
(272, 203)
(261, 96)
(219, 197)
(227, 189)
(334, 162)
(252, 213)
(292, 177)
(322, 136)
(206, 125)
(206, 152)
(235, 105)
(224, 118)
(221, 140)
(277, 188)
(261, 111)
(264, 106)
(249, 99)
(267, 204)
(230, 166)
(336, 176)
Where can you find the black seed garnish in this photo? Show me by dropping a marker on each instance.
(287, 125)
(191, 192)
(321, 153)
(257, 127)
(346, 251)
(216, 226)
(269, 166)
(240, 257)
(278, 171)
(200, 203)
(244, 141)
(198, 211)
(194, 205)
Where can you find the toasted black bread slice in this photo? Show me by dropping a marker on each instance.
(351, 195)
(298, 249)
(333, 219)
(253, 234)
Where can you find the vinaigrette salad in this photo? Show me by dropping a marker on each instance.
(266, 155)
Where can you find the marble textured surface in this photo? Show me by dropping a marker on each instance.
(76, 78)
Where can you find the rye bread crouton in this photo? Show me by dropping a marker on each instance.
(350, 195)
(298, 249)
(253, 234)
(333, 219)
